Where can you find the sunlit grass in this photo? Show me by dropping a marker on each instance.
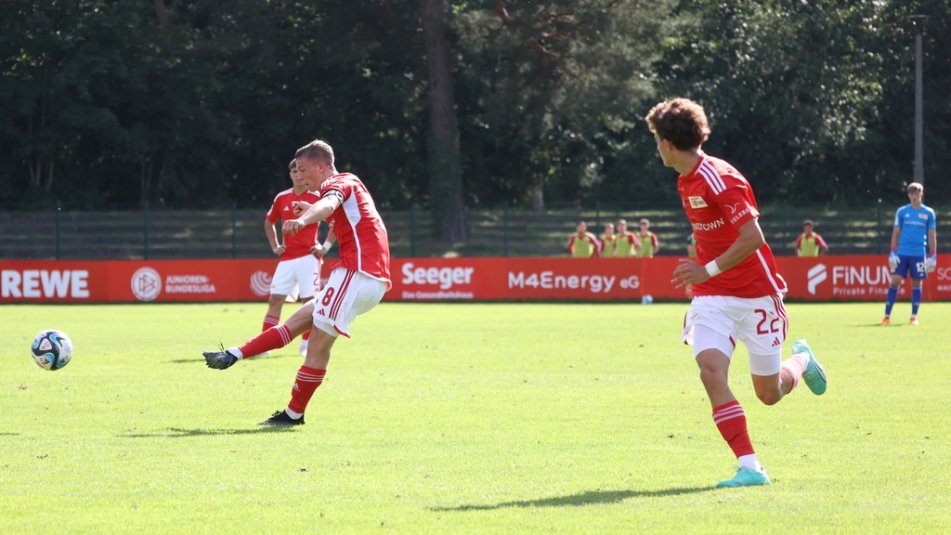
(465, 418)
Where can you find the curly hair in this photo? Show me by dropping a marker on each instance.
(680, 121)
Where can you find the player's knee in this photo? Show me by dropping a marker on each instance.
(769, 397)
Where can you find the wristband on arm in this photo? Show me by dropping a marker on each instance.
(712, 268)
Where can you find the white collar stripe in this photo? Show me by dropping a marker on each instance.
(712, 177)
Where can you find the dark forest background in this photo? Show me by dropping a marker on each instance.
(461, 105)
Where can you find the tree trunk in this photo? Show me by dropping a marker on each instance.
(445, 171)
(161, 13)
(538, 199)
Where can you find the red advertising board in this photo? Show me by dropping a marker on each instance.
(827, 278)
(424, 279)
(855, 278)
(132, 280)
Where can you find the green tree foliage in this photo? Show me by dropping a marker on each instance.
(114, 103)
(547, 87)
(813, 100)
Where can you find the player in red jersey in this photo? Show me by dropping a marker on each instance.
(356, 284)
(738, 293)
(298, 271)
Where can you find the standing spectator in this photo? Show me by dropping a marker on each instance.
(608, 240)
(298, 271)
(738, 292)
(915, 229)
(810, 243)
(626, 244)
(649, 244)
(583, 244)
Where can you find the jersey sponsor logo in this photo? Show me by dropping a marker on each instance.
(37, 283)
(712, 225)
(776, 342)
(697, 201)
(733, 207)
(816, 275)
(737, 217)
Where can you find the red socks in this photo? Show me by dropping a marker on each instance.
(308, 379)
(731, 421)
(273, 338)
(270, 321)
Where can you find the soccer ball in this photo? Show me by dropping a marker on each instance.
(647, 299)
(52, 349)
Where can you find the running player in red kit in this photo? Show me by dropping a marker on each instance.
(738, 293)
(355, 285)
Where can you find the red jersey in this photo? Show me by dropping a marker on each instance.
(361, 236)
(295, 245)
(718, 200)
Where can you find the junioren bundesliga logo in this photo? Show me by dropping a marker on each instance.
(146, 284)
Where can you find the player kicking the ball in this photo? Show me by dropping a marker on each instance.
(737, 291)
(355, 286)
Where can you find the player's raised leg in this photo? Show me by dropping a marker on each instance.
(813, 372)
(274, 338)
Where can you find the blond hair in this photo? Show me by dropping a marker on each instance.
(317, 150)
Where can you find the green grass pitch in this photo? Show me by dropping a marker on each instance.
(448, 418)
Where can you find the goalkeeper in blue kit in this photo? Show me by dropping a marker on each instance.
(914, 250)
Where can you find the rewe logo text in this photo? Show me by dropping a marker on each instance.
(43, 283)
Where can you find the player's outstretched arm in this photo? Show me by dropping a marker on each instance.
(319, 211)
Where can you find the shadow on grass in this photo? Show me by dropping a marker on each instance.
(252, 359)
(178, 432)
(6, 434)
(590, 497)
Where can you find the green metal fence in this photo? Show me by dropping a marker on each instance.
(233, 232)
